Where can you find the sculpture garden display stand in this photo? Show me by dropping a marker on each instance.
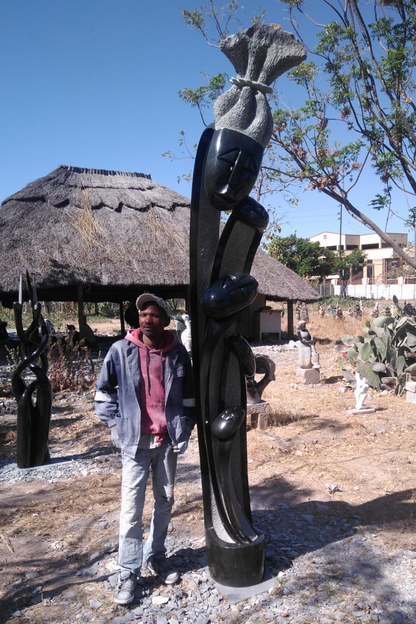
(227, 164)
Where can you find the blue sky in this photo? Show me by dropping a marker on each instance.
(94, 83)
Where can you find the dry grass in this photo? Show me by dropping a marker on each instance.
(328, 330)
(316, 444)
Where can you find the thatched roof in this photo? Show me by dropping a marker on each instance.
(115, 233)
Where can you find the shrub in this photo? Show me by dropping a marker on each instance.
(70, 366)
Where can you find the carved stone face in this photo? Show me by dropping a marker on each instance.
(232, 167)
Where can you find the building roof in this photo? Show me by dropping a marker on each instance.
(113, 232)
(324, 232)
(359, 235)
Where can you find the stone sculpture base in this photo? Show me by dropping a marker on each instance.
(410, 388)
(308, 375)
(363, 410)
(235, 565)
(258, 415)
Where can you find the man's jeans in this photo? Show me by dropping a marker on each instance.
(135, 473)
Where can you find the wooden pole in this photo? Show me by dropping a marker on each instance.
(290, 333)
(81, 316)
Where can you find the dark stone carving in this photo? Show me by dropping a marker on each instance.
(3, 331)
(34, 399)
(226, 167)
(220, 288)
(266, 367)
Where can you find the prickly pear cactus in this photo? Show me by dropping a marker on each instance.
(386, 354)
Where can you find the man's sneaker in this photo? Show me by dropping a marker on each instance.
(126, 584)
(161, 568)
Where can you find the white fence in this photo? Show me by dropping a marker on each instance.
(403, 292)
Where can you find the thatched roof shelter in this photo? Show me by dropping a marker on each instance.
(115, 234)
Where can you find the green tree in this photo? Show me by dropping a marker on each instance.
(202, 97)
(348, 265)
(307, 259)
(366, 66)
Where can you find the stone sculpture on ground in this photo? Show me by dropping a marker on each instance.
(255, 388)
(360, 393)
(33, 394)
(357, 310)
(302, 313)
(227, 164)
(257, 408)
(309, 367)
(375, 312)
(3, 331)
(334, 310)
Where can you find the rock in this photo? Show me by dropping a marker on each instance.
(160, 600)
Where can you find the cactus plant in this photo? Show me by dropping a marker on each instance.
(386, 357)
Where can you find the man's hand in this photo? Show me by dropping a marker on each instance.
(114, 437)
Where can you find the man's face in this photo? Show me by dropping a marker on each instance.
(152, 321)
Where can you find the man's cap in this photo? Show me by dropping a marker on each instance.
(148, 297)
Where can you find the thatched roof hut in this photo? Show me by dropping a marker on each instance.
(115, 234)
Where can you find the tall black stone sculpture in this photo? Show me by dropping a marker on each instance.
(227, 164)
(34, 399)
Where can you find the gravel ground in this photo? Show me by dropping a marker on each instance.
(317, 570)
(320, 567)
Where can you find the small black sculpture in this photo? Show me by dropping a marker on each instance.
(3, 331)
(255, 388)
(227, 164)
(34, 400)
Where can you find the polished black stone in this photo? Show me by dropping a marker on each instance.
(34, 399)
(226, 168)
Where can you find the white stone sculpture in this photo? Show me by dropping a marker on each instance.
(360, 392)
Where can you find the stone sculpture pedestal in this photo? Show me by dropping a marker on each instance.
(362, 410)
(258, 414)
(410, 388)
(308, 375)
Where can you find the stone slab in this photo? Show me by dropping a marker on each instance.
(410, 397)
(308, 375)
(364, 410)
(237, 594)
(263, 407)
(258, 414)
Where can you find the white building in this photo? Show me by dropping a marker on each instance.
(382, 264)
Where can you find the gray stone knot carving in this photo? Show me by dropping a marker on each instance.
(257, 86)
(259, 54)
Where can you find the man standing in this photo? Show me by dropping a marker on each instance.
(145, 395)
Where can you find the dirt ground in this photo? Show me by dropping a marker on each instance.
(365, 465)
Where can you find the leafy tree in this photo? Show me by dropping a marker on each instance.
(365, 53)
(348, 265)
(202, 97)
(307, 259)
